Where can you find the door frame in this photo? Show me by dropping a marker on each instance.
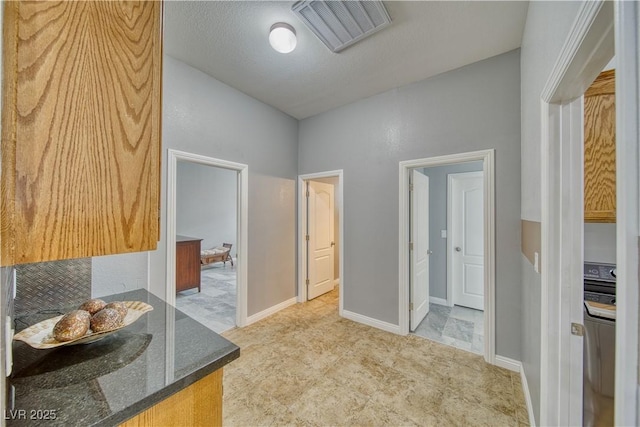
(302, 226)
(488, 161)
(627, 35)
(590, 44)
(242, 212)
(449, 227)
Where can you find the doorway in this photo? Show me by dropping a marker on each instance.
(447, 270)
(320, 235)
(588, 48)
(221, 256)
(206, 235)
(441, 296)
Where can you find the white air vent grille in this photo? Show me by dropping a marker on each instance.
(340, 24)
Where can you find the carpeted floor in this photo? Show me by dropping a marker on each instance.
(306, 366)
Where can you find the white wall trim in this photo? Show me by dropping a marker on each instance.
(580, 50)
(370, 321)
(450, 178)
(627, 20)
(173, 156)
(488, 159)
(271, 310)
(527, 397)
(302, 226)
(439, 301)
(586, 51)
(508, 363)
(516, 366)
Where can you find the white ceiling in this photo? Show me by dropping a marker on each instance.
(229, 41)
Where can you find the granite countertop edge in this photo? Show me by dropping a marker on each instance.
(171, 389)
(33, 368)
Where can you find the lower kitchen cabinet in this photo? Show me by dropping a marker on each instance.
(200, 404)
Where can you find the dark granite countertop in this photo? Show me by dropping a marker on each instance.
(111, 380)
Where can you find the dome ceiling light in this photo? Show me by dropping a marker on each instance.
(282, 37)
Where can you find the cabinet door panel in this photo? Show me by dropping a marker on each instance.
(600, 150)
(87, 129)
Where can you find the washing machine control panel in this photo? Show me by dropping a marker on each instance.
(600, 272)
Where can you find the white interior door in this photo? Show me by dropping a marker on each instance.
(419, 246)
(320, 247)
(467, 239)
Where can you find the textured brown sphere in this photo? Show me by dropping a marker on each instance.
(72, 325)
(105, 320)
(120, 307)
(92, 306)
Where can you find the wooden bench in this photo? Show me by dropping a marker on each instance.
(218, 254)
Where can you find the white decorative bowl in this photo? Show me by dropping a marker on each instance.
(40, 335)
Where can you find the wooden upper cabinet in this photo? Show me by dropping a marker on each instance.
(80, 128)
(600, 149)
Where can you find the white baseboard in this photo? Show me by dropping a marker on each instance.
(439, 301)
(516, 366)
(527, 397)
(271, 310)
(507, 363)
(370, 321)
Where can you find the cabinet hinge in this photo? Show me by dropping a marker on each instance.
(306, 281)
(306, 237)
(410, 246)
(307, 193)
(410, 187)
(410, 306)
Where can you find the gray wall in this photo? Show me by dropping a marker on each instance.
(204, 116)
(600, 242)
(113, 274)
(438, 221)
(206, 206)
(471, 108)
(547, 26)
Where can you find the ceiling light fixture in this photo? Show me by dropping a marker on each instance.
(282, 37)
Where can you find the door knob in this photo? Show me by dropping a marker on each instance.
(429, 252)
(458, 249)
(333, 243)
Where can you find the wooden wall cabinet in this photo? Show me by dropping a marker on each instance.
(80, 129)
(600, 149)
(187, 263)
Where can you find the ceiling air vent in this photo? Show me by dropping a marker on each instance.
(340, 24)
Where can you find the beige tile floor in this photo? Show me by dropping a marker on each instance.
(306, 366)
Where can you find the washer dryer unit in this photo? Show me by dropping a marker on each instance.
(599, 343)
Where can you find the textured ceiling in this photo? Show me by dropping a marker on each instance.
(229, 41)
